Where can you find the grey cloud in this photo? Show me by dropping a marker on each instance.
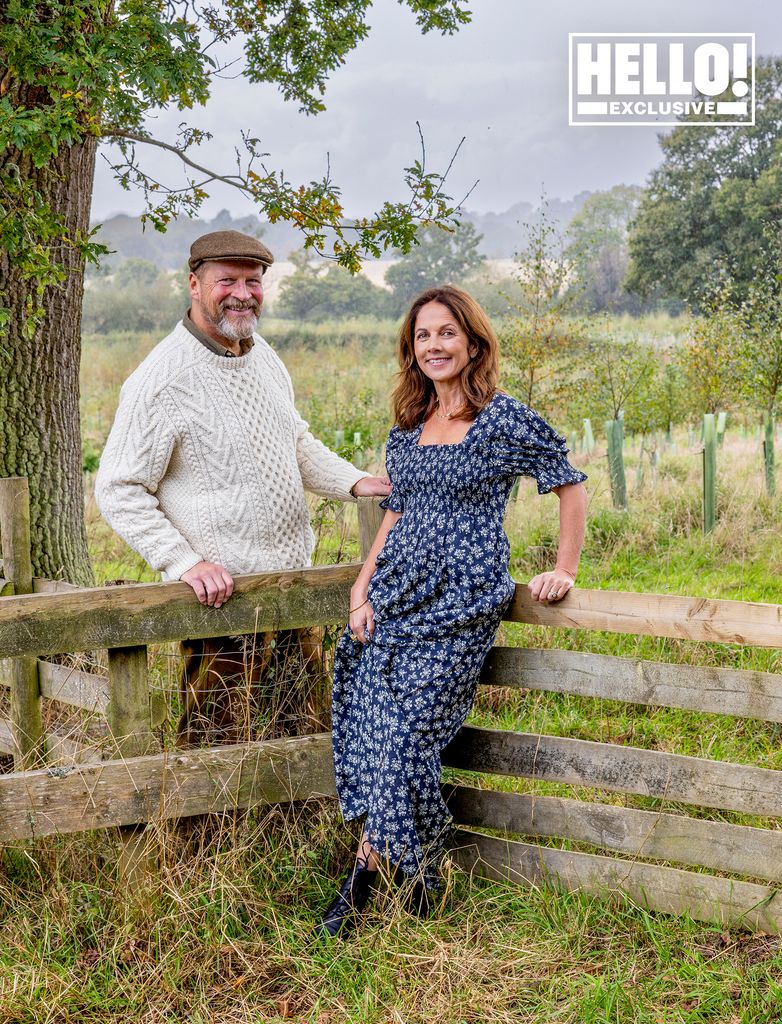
(501, 81)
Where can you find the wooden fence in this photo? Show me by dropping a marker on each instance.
(137, 783)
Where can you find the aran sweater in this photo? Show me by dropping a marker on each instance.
(208, 460)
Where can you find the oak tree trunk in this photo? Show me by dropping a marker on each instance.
(39, 376)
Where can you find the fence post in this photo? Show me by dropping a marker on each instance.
(768, 454)
(709, 472)
(26, 721)
(370, 516)
(616, 465)
(129, 721)
(128, 712)
(589, 437)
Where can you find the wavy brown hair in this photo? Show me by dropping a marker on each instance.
(414, 395)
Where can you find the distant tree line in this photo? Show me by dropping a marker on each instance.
(136, 296)
(315, 292)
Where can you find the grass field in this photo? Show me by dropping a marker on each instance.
(222, 933)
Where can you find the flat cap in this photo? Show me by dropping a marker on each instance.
(228, 245)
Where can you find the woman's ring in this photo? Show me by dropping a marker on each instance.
(353, 635)
(553, 593)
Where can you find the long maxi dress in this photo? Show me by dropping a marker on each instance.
(439, 590)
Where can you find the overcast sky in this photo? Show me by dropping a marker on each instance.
(501, 81)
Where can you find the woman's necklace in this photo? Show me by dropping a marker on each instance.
(446, 415)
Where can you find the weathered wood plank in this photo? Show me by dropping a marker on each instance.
(68, 750)
(739, 849)
(131, 736)
(86, 690)
(721, 691)
(100, 617)
(15, 532)
(722, 901)
(159, 786)
(44, 586)
(29, 743)
(30, 748)
(59, 748)
(7, 745)
(159, 612)
(128, 709)
(676, 777)
(688, 618)
(370, 516)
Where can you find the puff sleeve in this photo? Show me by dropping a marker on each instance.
(528, 446)
(394, 502)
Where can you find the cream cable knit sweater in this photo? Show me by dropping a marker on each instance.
(208, 460)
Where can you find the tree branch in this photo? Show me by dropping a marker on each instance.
(235, 180)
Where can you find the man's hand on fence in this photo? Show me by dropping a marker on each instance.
(211, 583)
(371, 487)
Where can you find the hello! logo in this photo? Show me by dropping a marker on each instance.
(662, 78)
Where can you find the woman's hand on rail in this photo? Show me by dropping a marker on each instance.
(550, 586)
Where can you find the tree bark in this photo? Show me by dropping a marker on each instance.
(40, 436)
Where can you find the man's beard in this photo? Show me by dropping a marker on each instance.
(231, 329)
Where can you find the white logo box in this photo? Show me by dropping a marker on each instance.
(661, 78)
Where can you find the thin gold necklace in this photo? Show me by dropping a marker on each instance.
(445, 415)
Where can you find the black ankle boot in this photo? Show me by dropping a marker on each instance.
(353, 896)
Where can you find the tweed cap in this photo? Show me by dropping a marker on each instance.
(228, 245)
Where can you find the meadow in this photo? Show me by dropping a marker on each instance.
(222, 933)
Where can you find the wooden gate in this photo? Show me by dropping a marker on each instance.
(135, 783)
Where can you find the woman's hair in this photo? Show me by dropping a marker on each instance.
(414, 394)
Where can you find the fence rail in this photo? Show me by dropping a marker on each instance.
(655, 835)
(145, 613)
(723, 901)
(106, 617)
(158, 787)
(724, 691)
(123, 780)
(663, 615)
(619, 769)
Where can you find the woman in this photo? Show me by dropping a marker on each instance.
(426, 605)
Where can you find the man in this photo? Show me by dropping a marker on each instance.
(205, 468)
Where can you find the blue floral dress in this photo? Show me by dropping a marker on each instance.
(438, 592)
